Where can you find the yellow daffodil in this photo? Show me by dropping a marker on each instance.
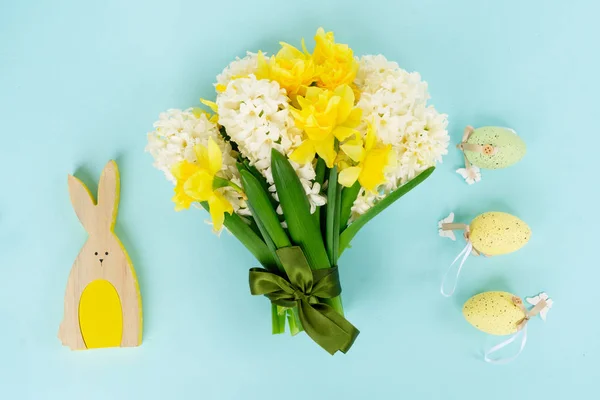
(324, 115)
(198, 182)
(293, 69)
(210, 104)
(182, 171)
(335, 62)
(370, 161)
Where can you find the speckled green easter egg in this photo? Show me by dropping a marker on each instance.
(493, 313)
(509, 148)
(496, 233)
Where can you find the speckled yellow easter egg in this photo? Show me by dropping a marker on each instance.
(510, 148)
(496, 233)
(493, 313)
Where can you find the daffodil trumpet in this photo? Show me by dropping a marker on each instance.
(297, 151)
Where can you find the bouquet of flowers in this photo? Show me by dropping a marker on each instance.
(297, 153)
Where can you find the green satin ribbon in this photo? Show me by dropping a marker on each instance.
(305, 288)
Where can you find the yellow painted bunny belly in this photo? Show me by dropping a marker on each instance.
(100, 315)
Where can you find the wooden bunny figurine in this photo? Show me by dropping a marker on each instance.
(103, 305)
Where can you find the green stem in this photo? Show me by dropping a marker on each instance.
(219, 182)
(332, 235)
(277, 320)
(294, 321)
(336, 225)
(333, 216)
(320, 170)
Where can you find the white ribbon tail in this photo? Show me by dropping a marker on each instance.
(464, 254)
(522, 333)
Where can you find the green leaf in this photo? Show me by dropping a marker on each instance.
(349, 195)
(256, 173)
(296, 209)
(262, 210)
(252, 224)
(349, 233)
(332, 229)
(263, 182)
(269, 242)
(266, 219)
(249, 238)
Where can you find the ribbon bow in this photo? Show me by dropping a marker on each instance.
(521, 331)
(463, 146)
(305, 288)
(465, 253)
(528, 313)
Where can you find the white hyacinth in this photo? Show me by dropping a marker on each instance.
(394, 101)
(255, 113)
(238, 68)
(373, 71)
(173, 139)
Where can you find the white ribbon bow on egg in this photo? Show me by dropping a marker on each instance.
(541, 306)
(446, 228)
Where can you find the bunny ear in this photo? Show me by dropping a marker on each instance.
(108, 194)
(83, 203)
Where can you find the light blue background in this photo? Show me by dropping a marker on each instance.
(82, 82)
